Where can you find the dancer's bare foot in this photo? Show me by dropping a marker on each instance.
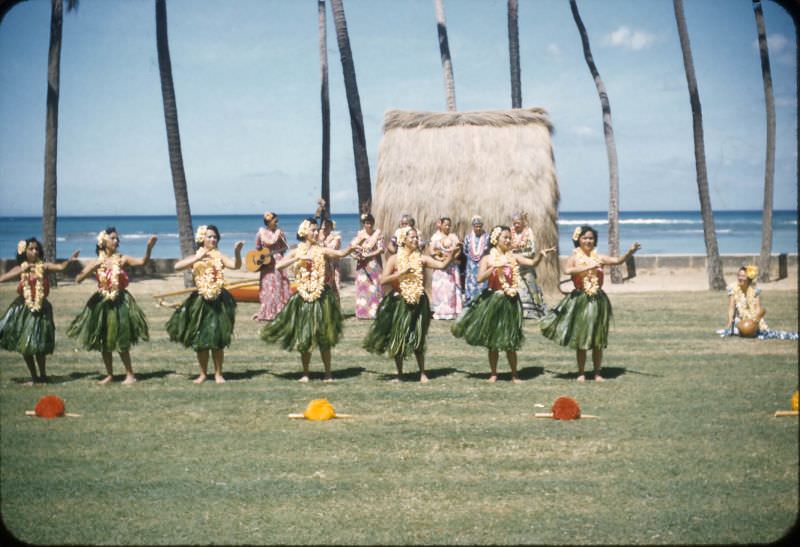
(423, 379)
(492, 379)
(105, 380)
(41, 380)
(598, 378)
(516, 380)
(218, 378)
(397, 379)
(581, 378)
(303, 380)
(129, 379)
(255, 317)
(328, 379)
(200, 379)
(28, 383)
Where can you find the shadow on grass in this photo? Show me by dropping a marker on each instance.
(413, 374)
(350, 372)
(244, 375)
(58, 379)
(526, 373)
(608, 373)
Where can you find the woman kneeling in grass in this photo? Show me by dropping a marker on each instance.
(580, 321)
(493, 319)
(312, 316)
(404, 315)
(204, 321)
(27, 326)
(111, 320)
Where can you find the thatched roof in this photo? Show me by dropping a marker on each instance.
(492, 163)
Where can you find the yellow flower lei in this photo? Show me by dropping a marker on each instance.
(496, 260)
(33, 302)
(591, 282)
(208, 276)
(411, 287)
(310, 283)
(109, 288)
(745, 301)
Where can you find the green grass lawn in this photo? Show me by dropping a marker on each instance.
(686, 449)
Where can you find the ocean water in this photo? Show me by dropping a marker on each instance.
(659, 232)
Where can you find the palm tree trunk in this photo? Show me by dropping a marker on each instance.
(769, 168)
(184, 213)
(326, 108)
(713, 262)
(513, 53)
(49, 201)
(611, 147)
(363, 183)
(444, 51)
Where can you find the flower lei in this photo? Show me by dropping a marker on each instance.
(310, 277)
(496, 260)
(745, 301)
(411, 287)
(33, 300)
(209, 278)
(108, 278)
(477, 245)
(591, 282)
(200, 235)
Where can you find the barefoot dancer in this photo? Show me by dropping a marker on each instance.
(111, 320)
(581, 319)
(493, 319)
(204, 321)
(312, 316)
(404, 315)
(27, 326)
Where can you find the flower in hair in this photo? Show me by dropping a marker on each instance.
(21, 246)
(269, 216)
(576, 234)
(402, 235)
(751, 271)
(493, 237)
(200, 235)
(102, 236)
(304, 228)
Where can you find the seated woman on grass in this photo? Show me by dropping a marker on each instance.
(493, 319)
(404, 315)
(312, 316)
(744, 303)
(27, 326)
(580, 321)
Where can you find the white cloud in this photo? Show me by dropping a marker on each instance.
(776, 43)
(630, 39)
(583, 131)
(553, 49)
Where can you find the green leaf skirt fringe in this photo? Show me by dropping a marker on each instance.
(492, 320)
(399, 328)
(579, 321)
(301, 325)
(28, 332)
(104, 325)
(203, 324)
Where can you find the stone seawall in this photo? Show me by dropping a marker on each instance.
(161, 267)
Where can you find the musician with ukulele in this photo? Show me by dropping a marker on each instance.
(270, 247)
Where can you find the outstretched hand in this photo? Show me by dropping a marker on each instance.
(546, 252)
(238, 246)
(635, 247)
(74, 256)
(152, 241)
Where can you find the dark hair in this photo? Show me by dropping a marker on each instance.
(23, 256)
(442, 219)
(273, 217)
(503, 228)
(312, 220)
(108, 230)
(585, 228)
(216, 231)
(367, 217)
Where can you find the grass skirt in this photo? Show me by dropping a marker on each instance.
(399, 328)
(579, 321)
(202, 324)
(27, 332)
(302, 325)
(492, 320)
(104, 325)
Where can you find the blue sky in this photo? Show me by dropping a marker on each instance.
(246, 76)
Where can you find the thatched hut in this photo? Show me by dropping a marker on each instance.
(493, 163)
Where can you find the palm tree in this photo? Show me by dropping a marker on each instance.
(713, 262)
(5, 7)
(444, 51)
(363, 184)
(769, 169)
(611, 147)
(326, 108)
(513, 53)
(184, 213)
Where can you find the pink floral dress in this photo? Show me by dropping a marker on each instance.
(446, 301)
(368, 273)
(274, 291)
(333, 273)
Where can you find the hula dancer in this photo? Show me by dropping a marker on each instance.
(111, 320)
(204, 321)
(580, 321)
(493, 319)
(312, 316)
(404, 315)
(27, 326)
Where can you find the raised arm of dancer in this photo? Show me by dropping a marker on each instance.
(338, 253)
(11, 274)
(434, 264)
(616, 260)
(191, 259)
(130, 261)
(533, 262)
(88, 270)
(236, 263)
(61, 266)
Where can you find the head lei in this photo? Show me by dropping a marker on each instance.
(751, 271)
(22, 246)
(200, 235)
(495, 235)
(476, 219)
(102, 238)
(269, 216)
(304, 228)
(576, 235)
(402, 235)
